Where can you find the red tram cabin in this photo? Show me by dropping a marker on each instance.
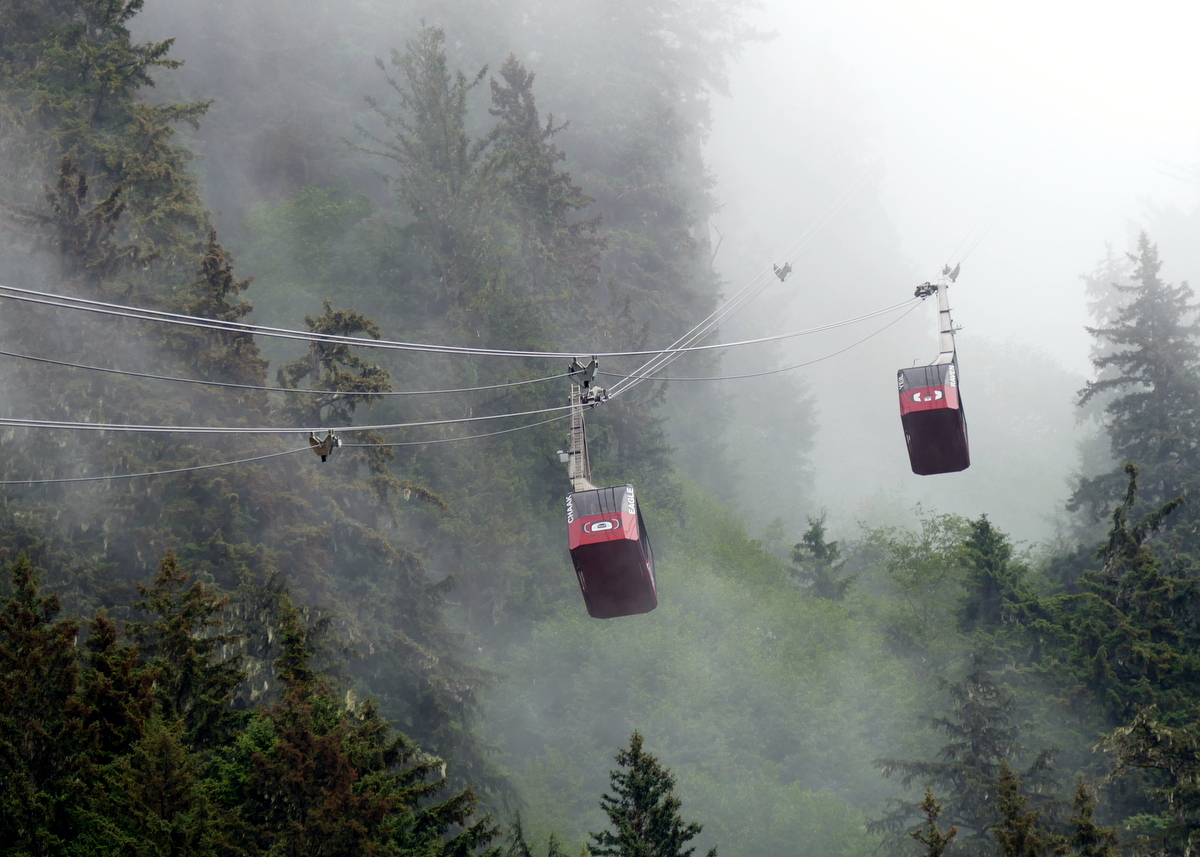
(935, 426)
(611, 552)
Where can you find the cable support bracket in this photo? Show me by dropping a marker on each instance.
(324, 446)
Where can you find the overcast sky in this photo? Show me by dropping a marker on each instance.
(1063, 117)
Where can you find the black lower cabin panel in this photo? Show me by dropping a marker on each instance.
(615, 580)
(937, 441)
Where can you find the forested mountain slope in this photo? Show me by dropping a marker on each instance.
(255, 651)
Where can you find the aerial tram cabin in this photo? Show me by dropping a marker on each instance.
(611, 552)
(606, 533)
(931, 408)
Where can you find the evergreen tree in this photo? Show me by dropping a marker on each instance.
(559, 249)
(1130, 639)
(311, 775)
(73, 77)
(441, 177)
(931, 836)
(643, 810)
(1088, 839)
(228, 356)
(518, 845)
(1018, 833)
(996, 592)
(982, 740)
(1150, 381)
(40, 723)
(115, 692)
(79, 234)
(337, 368)
(1167, 761)
(182, 639)
(819, 564)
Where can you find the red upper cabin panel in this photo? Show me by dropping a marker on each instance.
(611, 552)
(935, 425)
(928, 399)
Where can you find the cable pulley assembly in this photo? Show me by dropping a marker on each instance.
(325, 446)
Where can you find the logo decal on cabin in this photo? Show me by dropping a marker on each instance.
(937, 396)
(602, 526)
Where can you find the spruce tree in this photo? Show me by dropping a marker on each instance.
(560, 250)
(998, 604)
(1131, 638)
(643, 810)
(1089, 839)
(314, 774)
(1149, 381)
(1166, 761)
(819, 563)
(440, 176)
(936, 841)
(338, 368)
(40, 722)
(183, 639)
(1019, 832)
(983, 738)
(71, 89)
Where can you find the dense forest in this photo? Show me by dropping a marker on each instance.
(216, 642)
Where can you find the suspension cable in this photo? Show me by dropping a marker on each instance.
(230, 385)
(153, 472)
(785, 368)
(735, 304)
(557, 419)
(168, 429)
(211, 324)
(172, 471)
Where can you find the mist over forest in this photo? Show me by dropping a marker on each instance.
(233, 232)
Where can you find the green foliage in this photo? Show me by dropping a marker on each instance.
(227, 356)
(931, 836)
(1130, 637)
(101, 750)
(40, 721)
(1165, 759)
(982, 739)
(994, 580)
(182, 639)
(337, 368)
(819, 563)
(311, 775)
(1018, 834)
(758, 695)
(1088, 839)
(70, 91)
(1150, 382)
(920, 577)
(643, 810)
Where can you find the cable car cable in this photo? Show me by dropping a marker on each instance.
(267, 456)
(559, 418)
(785, 368)
(371, 343)
(64, 425)
(995, 219)
(736, 303)
(910, 302)
(153, 472)
(67, 425)
(145, 314)
(207, 383)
